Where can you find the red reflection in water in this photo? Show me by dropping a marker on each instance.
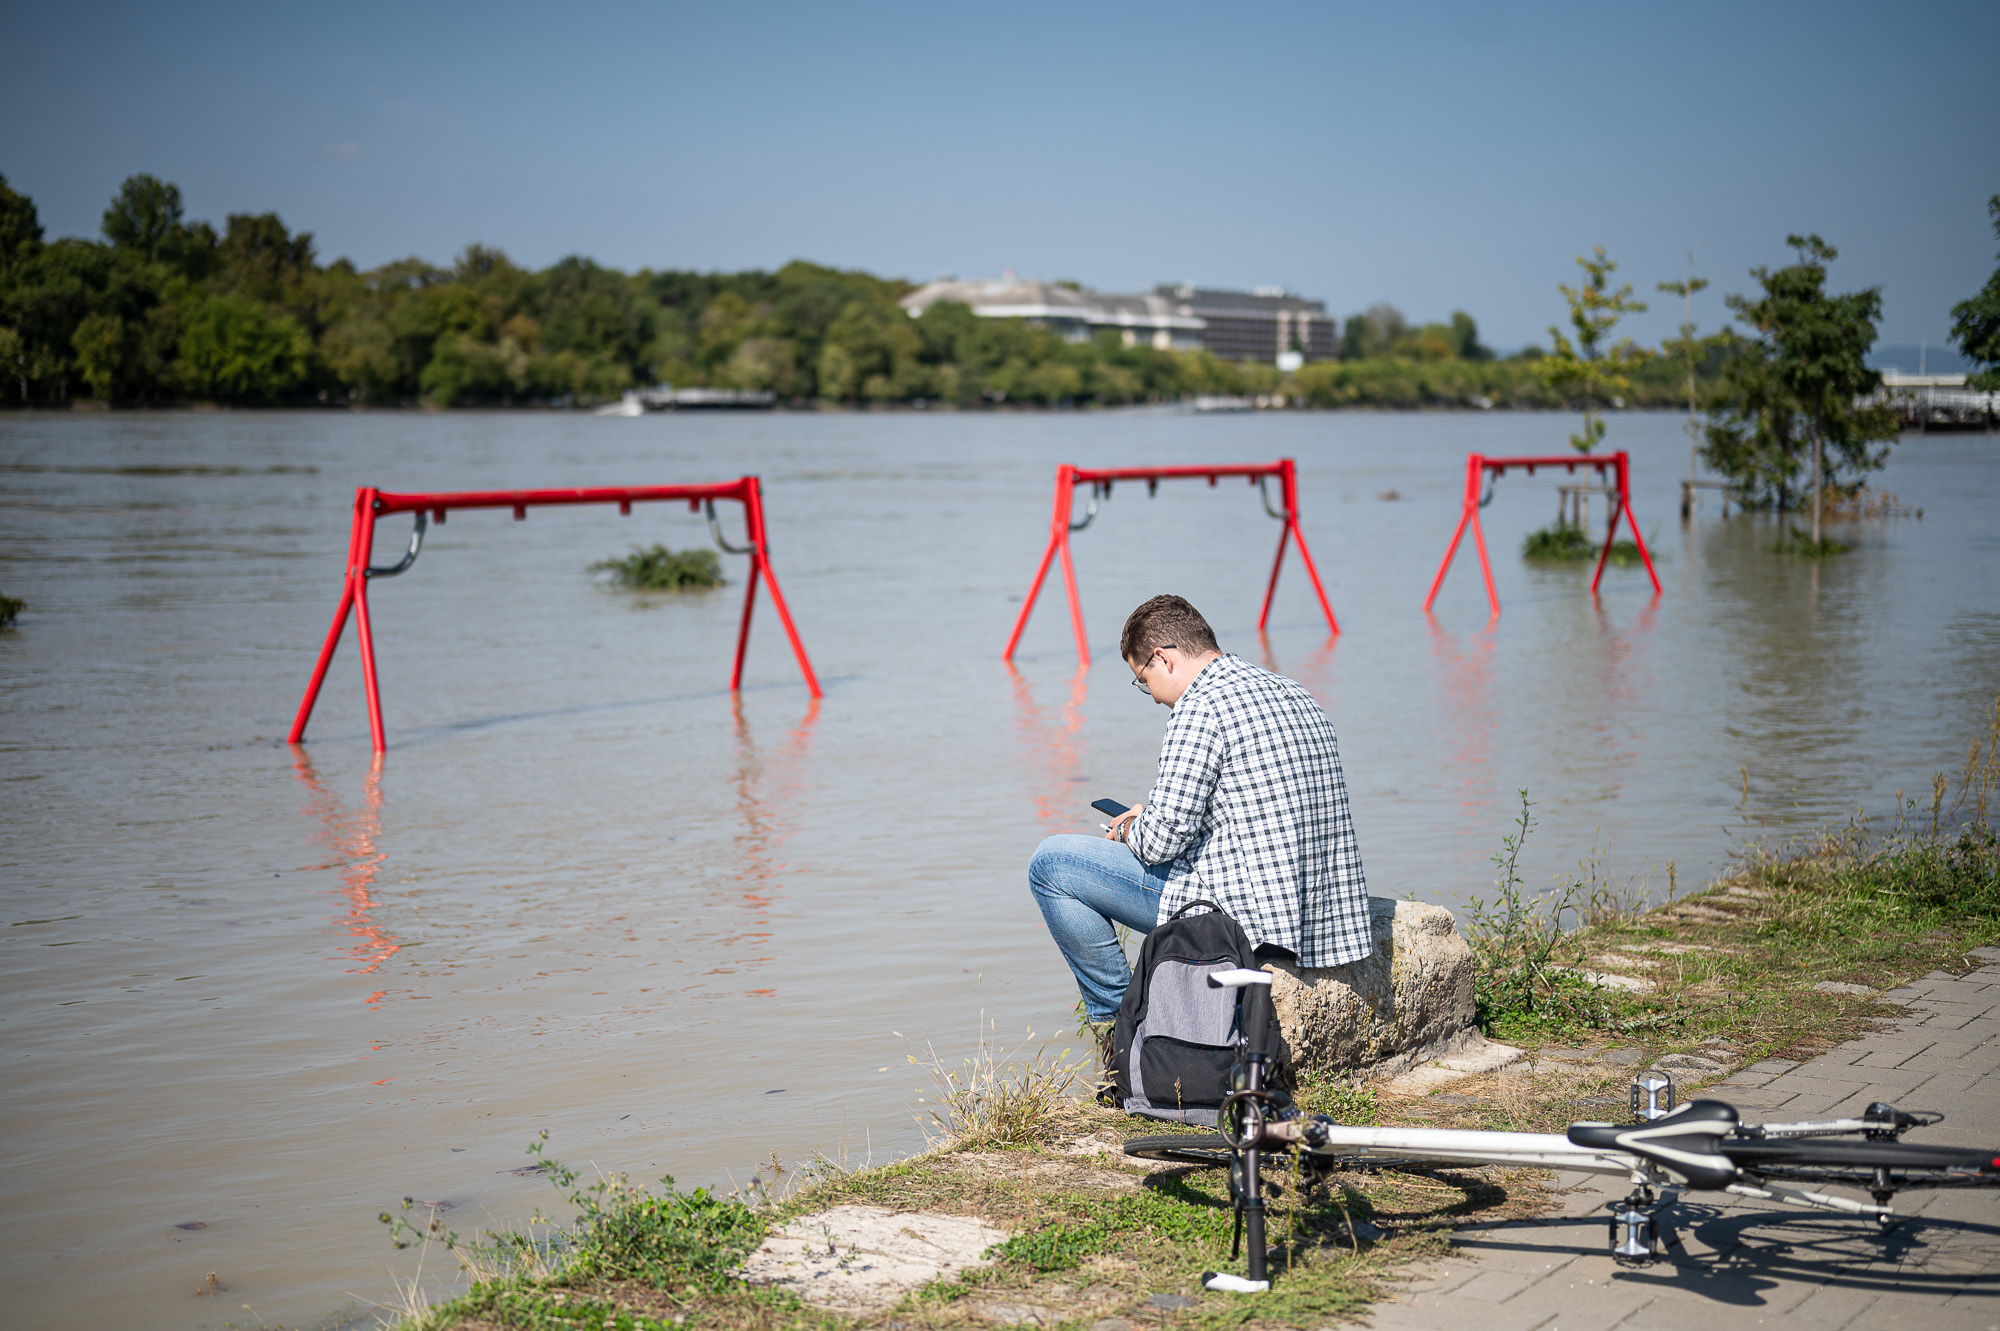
(1051, 749)
(1315, 671)
(351, 838)
(769, 791)
(1465, 689)
(1620, 677)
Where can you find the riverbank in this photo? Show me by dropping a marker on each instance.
(1783, 958)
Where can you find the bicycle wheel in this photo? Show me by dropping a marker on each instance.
(1208, 1148)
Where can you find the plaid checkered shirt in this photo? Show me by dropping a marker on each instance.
(1251, 809)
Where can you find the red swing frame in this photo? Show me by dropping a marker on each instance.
(1478, 464)
(1100, 481)
(371, 503)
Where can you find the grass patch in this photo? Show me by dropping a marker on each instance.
(991, 1100)
(656, 568)
(1734, 969)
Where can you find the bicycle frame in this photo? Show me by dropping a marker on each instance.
(1701, 1146)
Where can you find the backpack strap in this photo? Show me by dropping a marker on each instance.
(1191, 905)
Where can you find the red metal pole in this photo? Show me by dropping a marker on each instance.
(363, 630)
(1468, 507)
(333, 633)
(1065, 494)
(1057, 526)
(1485, 566)
(753, 503)
(1625, 501)
(1332, 624)
(1271, 588)
(749, 604)
(1289, 474)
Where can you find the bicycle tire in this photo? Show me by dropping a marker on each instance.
(1839, 1153)
(1208, 1148)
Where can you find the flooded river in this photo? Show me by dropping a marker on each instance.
(256, 995)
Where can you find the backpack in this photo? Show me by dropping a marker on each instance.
(1175, 1040)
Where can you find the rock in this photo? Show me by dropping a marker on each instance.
(1694, 1063)
(1171, 1301)
(859, 1259)
(1484, 1056)
(1408, 1003)
(1017, 1314)
(1111, 1324)
(1838, 987)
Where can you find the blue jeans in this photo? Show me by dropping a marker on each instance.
(1083, 884)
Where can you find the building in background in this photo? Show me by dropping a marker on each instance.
(1262, 325)
(1077, 314)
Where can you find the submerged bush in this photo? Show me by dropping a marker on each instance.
(10, 606)
(1796, 542)
(1561, 541)
(660, 569)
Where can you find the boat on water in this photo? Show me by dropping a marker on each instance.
(665, 397)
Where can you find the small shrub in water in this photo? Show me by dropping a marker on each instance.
(1796, 542)
(1561, 541)
(660, 569)
(1624, 552)
(10, 606)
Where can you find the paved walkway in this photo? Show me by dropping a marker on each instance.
(1763, 1264)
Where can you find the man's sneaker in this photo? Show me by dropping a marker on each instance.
(1104, 1033)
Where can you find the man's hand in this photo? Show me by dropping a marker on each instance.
(1123, 821)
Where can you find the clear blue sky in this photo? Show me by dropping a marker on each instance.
(1453, 154)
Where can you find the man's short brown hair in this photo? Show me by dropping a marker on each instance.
(1165, 621)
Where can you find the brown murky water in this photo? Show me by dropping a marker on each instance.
(270, 992)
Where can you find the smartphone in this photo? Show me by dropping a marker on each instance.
(1109, 808)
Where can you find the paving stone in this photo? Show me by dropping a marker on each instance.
(1441, 1277)
(1773, 1066)
(1494, 1286)
(1836, 1306)
(1429, 1312)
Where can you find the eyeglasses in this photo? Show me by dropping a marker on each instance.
(1139, 681)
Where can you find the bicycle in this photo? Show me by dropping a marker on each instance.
(1700, 1146)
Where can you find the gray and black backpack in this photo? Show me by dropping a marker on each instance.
(1175, 1040)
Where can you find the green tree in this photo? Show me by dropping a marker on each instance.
(1793, 393)
(1593, 368)
(1688, 345)
(261, 260)
(237, 350)
(145, 218)
(100, 353)
(20, 229)
(1976, 322)
(1374, 333)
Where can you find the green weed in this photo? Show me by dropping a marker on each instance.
(1560, 541)
(656, 568)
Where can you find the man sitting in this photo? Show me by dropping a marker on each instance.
(1249, 811)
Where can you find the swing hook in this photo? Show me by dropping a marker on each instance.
(410, 557)
(1090, 513)
(1492, 479)
(715, 530)
(1264, 493)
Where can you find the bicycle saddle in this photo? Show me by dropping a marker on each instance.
(1685, 1142)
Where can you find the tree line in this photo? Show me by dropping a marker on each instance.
(160, 309)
